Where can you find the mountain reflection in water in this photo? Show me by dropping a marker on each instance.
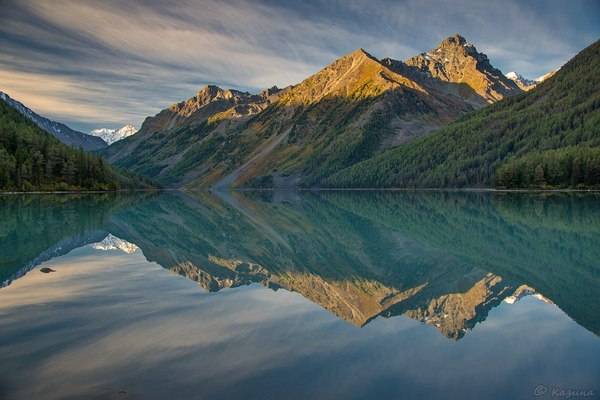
(442, 258)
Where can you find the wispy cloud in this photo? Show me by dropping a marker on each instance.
(107, 63)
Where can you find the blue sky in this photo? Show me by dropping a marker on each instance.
(105, 63)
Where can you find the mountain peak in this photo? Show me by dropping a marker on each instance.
(210, 91)
(546, 76)
(457, 38)
(114, 135)
(210, 88)
(213, 92)
(459, 45)
(458, 61)
(361, 51)
(359, 54)
(356, 75)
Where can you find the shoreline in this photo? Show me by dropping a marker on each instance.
(83, 191)
(491, 190)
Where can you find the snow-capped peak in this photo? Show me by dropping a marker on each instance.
(523, 291)
(114, 243)
(513, 76)
(113, 135)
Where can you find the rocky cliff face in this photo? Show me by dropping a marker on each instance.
(209, 101)
(457, 61)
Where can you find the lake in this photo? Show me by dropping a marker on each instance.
(300, 295)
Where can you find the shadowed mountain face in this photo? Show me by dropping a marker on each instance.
(351, 110)
(60, 131)
(445, 259)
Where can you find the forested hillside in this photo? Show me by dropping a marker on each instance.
(31, 159)
(548, 138)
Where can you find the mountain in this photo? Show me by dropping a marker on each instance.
(528, 84)
(544, 138)
(168, 142)
(458, 61)
(113, 135)
(523, 83)
(349, 111)
(33, 160)
(60, 131)
(353, 109)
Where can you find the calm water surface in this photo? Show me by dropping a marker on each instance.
(281, 295)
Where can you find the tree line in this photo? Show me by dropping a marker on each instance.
(31, 160)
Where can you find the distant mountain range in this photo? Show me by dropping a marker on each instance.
(113, 135)
(60, 131)
(528, 84)
(350, 111)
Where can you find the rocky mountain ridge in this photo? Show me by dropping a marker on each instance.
(351, 110)
(457, 61)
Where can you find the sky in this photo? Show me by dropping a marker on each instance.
(102, 64)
